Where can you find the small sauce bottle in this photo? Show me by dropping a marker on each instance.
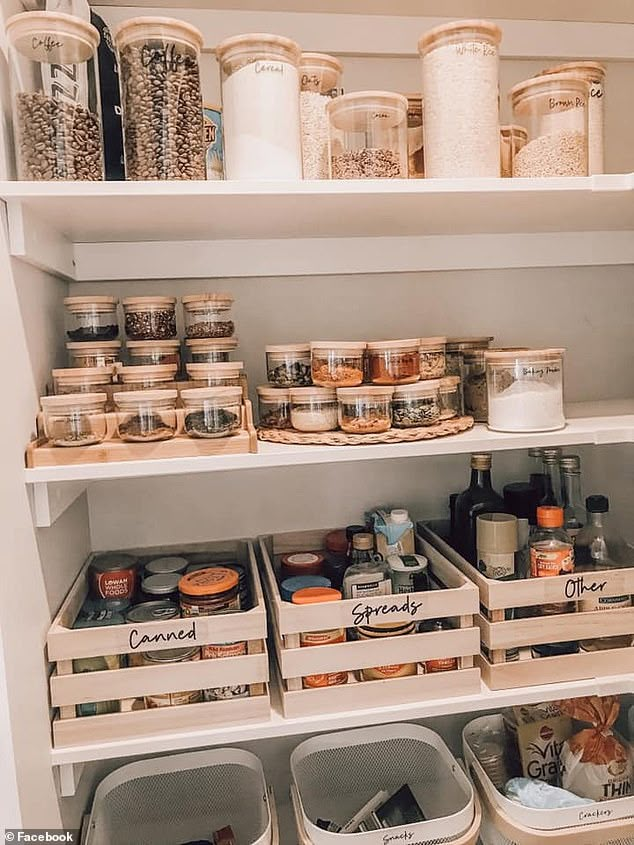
(552, 552)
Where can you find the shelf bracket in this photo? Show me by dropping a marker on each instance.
(50, 500)
(38, 243)
(69, 778)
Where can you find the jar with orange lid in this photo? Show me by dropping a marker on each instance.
(210, 350)
(554, 110)
(150, 317)
(100, 353)
(208, 315)
(221, 374)
(82, 379)
(394, 361)
(320, 81)
(381, 632)
(301, 563)
(316, 595)
(92, 318)
(145, 353)
(152, 377)
(337, 363)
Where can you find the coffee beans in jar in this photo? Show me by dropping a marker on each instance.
(161, 99)
(150, 317)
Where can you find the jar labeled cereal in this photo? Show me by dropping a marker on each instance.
(337, 363)
(432, 357)
(274, 407)
(208, 315)
(416, 405)
(394, 361)
(365, 410)
(288, 365)
(150, 317)
(313, 409)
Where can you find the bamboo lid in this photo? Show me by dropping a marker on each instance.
(279, 394)
(486, 30)
(380, 345)
(232, 47)
(52, 37)
(289, 347)
(545, 83)
(157, 28)
(221, 394)
(344, 345)
(164, 372)
(139, 397)
(373, 391)
(299, 393)
(77, 400)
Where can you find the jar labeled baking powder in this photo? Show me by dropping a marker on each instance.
(460, 63)
(260, 102)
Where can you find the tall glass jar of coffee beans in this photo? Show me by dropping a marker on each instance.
(159, 68)
(56, 113)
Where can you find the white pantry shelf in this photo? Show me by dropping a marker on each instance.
(149, 230)
(70, 760)
(593, 423)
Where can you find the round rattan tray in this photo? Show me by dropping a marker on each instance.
(340, 438)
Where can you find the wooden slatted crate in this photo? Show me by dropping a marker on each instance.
(498, 633)
(69, 688)
(454, 597)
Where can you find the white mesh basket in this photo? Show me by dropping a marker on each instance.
(183, 797)
(335, 774)
(546, 820)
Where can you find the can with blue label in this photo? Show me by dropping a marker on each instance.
(214, 156)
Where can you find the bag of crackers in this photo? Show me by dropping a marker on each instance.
(595, 762)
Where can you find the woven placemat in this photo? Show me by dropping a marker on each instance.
(340, 438)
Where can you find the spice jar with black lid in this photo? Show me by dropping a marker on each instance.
(208, 315)
(92, 318)
(150, 317)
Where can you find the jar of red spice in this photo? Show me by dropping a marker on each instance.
(315, 595)
(394, 361)
(113, 576)
(302, 563)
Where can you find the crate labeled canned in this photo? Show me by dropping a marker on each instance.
(389, 649)
(129, 677)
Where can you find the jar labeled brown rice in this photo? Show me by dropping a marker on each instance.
(337, 363)
(365, 410)
(208, 315)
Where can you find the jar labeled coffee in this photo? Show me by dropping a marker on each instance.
(161, 98)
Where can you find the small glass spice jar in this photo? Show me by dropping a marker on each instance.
(415, 154)
(274, 407)
(82, 379)
(150, 317)
(99, 354)
(92, 317)
(365, 410)
(474, 384)
(152, 377)
(554, 110)
(512, 139)
(146, 353)
(320, 81)
(457, 346)
(450, 395)
(212, 412)
(76, 419)
(313, 409)
(211, 350)
(394, 361)
(161, 98)
(226, 374)
(146, 415)
(208, 315)
(288, 365)
(337, 363)
(56, 115)
(416, 405)
(432, 357)
(368, 136)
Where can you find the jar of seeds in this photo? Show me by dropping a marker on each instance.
(56, 110)
(225, 374)
(208, 315)
(161, 98)
(211, 350)
(144, 416)
(432, 357)
(416, 405)
(212, 412)
(320, 81)
(274, 407)
(288, 365)
(368, 136)
(77, 419)
(150, 317)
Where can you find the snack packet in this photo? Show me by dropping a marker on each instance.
(596, 763)
(536, 735)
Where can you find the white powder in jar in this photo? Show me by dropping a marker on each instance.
(261, 122)
(315, 133)
(562, 153)
(527, 406)
(461, 123)
(322, 418)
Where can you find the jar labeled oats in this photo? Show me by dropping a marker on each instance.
(320, 82)
(432, 357)
(365, 410)
(274, 407)
(92, 318)
(82, 379)
(394, 361)
(151, 377)
(313, 409)
(260, 106)
(208, 315)
(99, 354)
(212, 412)
(416, 405)
(77, 419)
(512, 139)
(211, 350)
(450, 396)
(368, 136)
(225, 374)
(460, 63)
(146, 353)
(150, 317)
(160, 98)
(594, 74)
(337, 363)
(288, 365)
(415, 154)
(474, 384)
(554, 110)
(56, 105)
(144, 416)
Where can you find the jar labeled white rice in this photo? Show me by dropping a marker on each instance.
(460, 69)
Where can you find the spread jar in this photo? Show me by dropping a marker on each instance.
(113, 576)
(379, 632)
(302, 563)
(315, 595)
(206, 592)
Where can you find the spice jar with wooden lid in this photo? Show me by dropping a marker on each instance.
(92, 318)
(144, 353)
(82, 379)
(416, 405)
(432, 357)
(313, 409)
(221, 374)
(152, 377)
(450, 397)
(274, 407)
(150, 317)
(212, 412)
(100, 353)
(74, 419)
(210, 350)
(365, 410)
(208, 315)
(394, 361)
(316, 595)
(144, 416)
(288, 365)
(337, 363)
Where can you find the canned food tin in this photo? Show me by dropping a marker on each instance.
(113, 576)
(161, 658)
